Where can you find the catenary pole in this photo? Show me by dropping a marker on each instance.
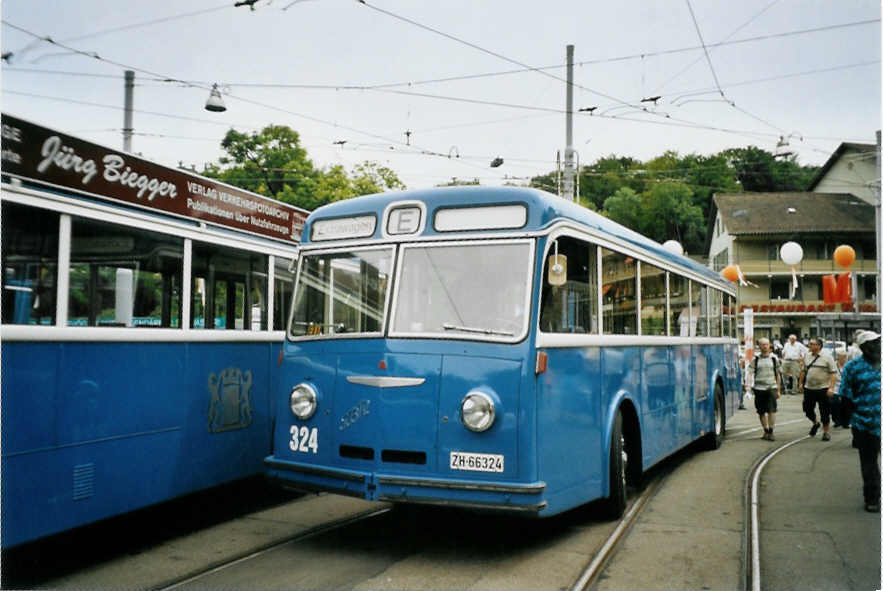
(127, 111)
(568, 150)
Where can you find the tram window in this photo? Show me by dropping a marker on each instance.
(714, 309)
(121, 276)
(30, 257)
(679, 305)
(698, 310)
(282, 293)
(618, 289)
(571, 308)
(229, 288)
(653, 320)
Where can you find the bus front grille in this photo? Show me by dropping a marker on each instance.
(403, 457)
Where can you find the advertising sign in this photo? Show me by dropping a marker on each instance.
(35, 153)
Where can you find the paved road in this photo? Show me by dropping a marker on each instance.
(814, 534)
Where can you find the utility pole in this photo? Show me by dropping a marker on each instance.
(568, 150)
(877, 229)
(127, 111)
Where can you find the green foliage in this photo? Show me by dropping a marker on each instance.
(670, 196)
(625, 207)
(272, 162)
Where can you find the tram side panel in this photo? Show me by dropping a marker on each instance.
(92, 430)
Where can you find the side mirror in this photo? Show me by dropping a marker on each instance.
(557, 265)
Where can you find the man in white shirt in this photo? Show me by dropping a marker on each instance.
(792, 362)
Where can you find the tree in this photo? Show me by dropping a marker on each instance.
(270, 162)
(671, 214)
(625, 207)
(273, 163)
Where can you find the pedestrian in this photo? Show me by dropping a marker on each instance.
(767, 379)
(793, 353)
(853, 350)
(817, 384)
(839, 412)
(861, 386)
(777, 346)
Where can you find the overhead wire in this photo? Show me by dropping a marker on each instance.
(129, 27)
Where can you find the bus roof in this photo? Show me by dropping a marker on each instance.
(354, 217)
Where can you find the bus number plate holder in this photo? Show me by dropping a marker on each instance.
(464, 460)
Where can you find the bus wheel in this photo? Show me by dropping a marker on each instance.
(715, 438)
(614, 505)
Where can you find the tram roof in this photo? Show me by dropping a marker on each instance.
(543, 210)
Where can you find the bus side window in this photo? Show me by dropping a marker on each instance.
(619, 274)
(698, 310)
(714, 312)
(229, 288)
(30, 263)
(571, 307)
(679, 305)
(122, 276)
(653, 321)
(282, 292)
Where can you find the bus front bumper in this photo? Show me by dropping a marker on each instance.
(472, 494)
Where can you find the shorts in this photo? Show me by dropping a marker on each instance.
(765, 401)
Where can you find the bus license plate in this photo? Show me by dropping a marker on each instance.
(464, 460)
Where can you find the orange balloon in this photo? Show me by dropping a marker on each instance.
(730, 273)
(844, 255)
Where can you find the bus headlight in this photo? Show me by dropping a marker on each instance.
(477, 411)
(303, 401)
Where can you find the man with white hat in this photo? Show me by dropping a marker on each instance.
(793, 353)
(860, 385)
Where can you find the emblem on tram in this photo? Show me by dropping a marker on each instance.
(230, 404)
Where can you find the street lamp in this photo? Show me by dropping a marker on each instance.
(215, 103)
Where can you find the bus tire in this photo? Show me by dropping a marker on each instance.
(614, 504)
(715, 438)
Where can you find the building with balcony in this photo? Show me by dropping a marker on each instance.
(749, 229)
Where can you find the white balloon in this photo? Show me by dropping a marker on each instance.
(791, 253)
(673, 246)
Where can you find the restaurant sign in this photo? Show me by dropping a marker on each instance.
(35, 153)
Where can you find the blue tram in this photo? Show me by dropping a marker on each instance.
(495, 348)
(143, 316)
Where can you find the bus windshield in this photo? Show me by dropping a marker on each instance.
(342, 293)
(476, 290)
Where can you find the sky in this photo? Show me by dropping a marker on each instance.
(437, 90)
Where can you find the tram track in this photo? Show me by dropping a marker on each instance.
(300, 536)
(751, 533)
(607, 550)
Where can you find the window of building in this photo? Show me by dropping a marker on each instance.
(869, 287)
(618, 293)
(30, 264)
(780, 288)
(122, 276)
(653, 321)
(721, 259)
(772, 252)
(572, 307)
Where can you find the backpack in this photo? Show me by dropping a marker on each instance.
(775, 366)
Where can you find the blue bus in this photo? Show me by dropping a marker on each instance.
(143, 313)
(495, 348)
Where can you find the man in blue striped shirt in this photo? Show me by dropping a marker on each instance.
(860, 385)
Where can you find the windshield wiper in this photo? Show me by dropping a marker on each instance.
(476, 330)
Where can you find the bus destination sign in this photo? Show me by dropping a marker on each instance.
(35, 153)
